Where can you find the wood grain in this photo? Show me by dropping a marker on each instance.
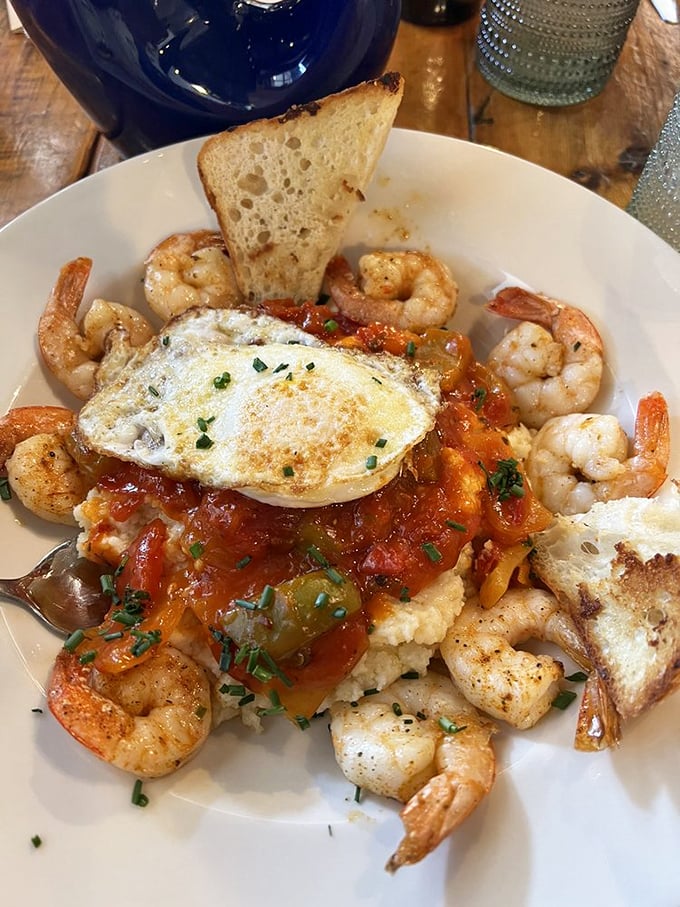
(47, 141)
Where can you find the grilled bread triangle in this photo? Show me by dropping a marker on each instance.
(617, 570)
(283, 189)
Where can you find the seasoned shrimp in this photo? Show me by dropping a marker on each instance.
(576, 460)
(148, 720)
(70, 351)
(420, 742)
(408, 290)
(552, 361)
(507, 683)
(187, 270)
(46, 468)
(23, 422)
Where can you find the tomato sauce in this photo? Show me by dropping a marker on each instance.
(461, 484)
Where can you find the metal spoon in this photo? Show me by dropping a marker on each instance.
(63, 590)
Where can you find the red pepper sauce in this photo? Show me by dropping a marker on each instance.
(392, 542)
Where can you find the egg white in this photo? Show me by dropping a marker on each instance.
(290, 421)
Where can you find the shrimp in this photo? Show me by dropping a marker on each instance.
(552, 361)
(23, 422)
(187, 270)
(420, 742)
(149, 720)
(70, 351)
(579, 459)
(46, 468)
(407, 290)
(506, 683)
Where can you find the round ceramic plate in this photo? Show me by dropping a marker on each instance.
(269, 818)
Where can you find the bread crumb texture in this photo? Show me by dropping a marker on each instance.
(283, 189)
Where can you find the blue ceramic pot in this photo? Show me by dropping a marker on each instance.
(153, 72)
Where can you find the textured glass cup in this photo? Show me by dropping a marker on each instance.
(551, 52)
(656, 199)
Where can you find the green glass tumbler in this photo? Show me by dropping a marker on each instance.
(656, 199)
(551, 52)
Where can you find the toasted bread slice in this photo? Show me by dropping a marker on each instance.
(617, 569)
(283, 189)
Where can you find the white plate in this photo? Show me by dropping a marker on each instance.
(259, 819)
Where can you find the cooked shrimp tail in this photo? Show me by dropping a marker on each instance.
(70, 352)
(552, 361)
(412, 291)
(506, 682)
(187, 270)
(580, 459)
(148, 720)
(420, 742)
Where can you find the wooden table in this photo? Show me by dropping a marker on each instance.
(47, 142)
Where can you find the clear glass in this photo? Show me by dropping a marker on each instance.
(656, 199)
(551, 52)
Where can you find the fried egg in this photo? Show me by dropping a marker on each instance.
(236, 399)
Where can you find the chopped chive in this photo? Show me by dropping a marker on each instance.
(397, 709)
(432, 552)
(421, 716)
(107, 584)
(377, 380)
(404, 595)
(370, 629)
(221, 381)
(109, 637)
(87, 657)
(478, 397)
(317, 556)
(153, 391)
(450, 727)
(200, 711)
(454, 525)
(357, 794)
(166, 340)
(36, 841)
(371, 691)
(334, 576)
(321, 600)
(74, 640)
(288, 471)
(577, 677)
(280, 368)
(410, 349)
(410, 675)
(259, 365)
(371, 462)
(267, 597)
(244, 603)
(5, 490)
(577, 345)
(381, 442)
(330, 325)
(261, 673)
(138, 797)
(37, 710)
(289, 376)
(233, 689)
(303, 723)
(143, 641)
(244, 700)
(196, 550)
(339, 613)
(310, 366)
(204, 423)
(243, 562)
(203, 442)
(125, 618)
(563, 699)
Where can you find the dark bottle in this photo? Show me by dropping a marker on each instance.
(437, 12)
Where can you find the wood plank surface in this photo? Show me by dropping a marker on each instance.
(47, 141)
